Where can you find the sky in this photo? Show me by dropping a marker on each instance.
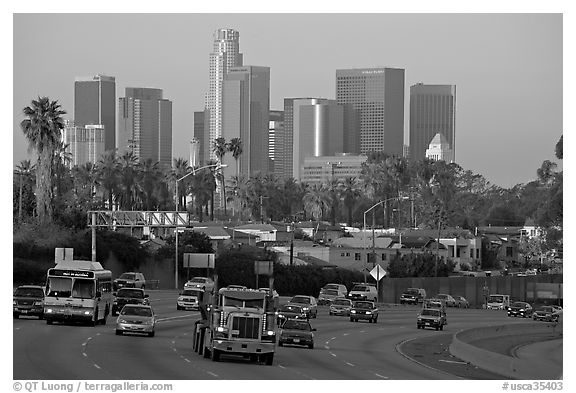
(507, 68)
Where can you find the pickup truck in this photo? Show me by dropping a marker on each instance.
(431, 317)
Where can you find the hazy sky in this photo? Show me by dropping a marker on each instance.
(507, 68)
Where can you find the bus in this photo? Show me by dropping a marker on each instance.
(78, 291)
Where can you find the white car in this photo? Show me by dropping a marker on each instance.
(188, 299)
(204, 283)
(363, 292)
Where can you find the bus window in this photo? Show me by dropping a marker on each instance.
(83, 289)
(59, 286)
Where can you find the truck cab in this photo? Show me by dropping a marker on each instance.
(498, 302)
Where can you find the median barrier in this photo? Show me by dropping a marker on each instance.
(509, 366)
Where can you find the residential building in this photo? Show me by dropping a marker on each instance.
(95, 103)
(378, 95)
(432, 111)
(245, 115)
(439, 149)
(85, 144)
(145, 125)
(323, 169)
(225, 55)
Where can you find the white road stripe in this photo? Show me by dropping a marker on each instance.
(326, 347)
(381, 376)
(186, 360)
(345, 334)
(350, 364)
(211, 373)
(97, 366)
(451, 361)
(84, 344)
(84, 354)
(281, 366)
(333, 354)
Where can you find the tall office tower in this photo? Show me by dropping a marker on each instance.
(226, 54)
(95, 103)
(85, 144)
(194, 160)
(201, 133)
(245, 115)
(432, 110)
(275, 134)
(145, 125)
(378, 94)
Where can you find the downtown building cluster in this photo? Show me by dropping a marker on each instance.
(312, 139)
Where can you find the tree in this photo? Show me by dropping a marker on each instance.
(127, 181)
(180, 170)
(316, 201)
(559, 148)
(235, 147)
(350, 192)
(150, 176)
(42, 129)
(24, 171)
(107, 169)
(220, 147)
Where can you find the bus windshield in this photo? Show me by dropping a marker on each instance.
(83, 289)
(59, 286)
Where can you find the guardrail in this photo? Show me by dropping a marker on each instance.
(509, 366)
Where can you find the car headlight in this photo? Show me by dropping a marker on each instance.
(149, 322)
(368, 312)
(270, 332)
(13, 302)
(305, 309)
(353, 311)
(88, 312)
(39, 303)
(49, 310)
(121, 320)
(521, 310)
(419, 319)
(280, 316)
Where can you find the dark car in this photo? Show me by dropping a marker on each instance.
(364, 310)
(297, 332)
(520, 309)
(128, 296)
(308, 303)
(129, 280)
(413, 296)
(431, 317)
(28, 300)
(448, 300)
(546, 313)
(290, 311)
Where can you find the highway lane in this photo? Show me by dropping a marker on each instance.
(344, 350)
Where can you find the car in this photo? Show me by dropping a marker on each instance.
(28, 300)
(290, 311)
(364, 310)
(436, 304)
(520, 309)
(308, 303)
(296, 332)
(431, 317)
(363, 292)
(413, 296)
(449, 301)
(129, 280)
(136, 318)
(126, 296)
(341, 288)
(327, 295)
(204, 283)
(340, 306)
(188, 299)
(546, 313)
(461, 302)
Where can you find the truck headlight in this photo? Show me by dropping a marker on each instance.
(221, 329)
(49, 311)
(306, 309)
(521, 310)
(270, 332)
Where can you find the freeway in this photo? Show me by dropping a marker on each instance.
(343, 350)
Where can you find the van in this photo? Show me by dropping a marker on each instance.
(363, 292)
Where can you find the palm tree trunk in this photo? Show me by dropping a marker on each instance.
(20, 201)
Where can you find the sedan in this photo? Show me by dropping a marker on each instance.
(297, 332)
(289, 311)
(449, 301)
(520, 309)
(136, 318)
(340, 306)
(461, 302)
(546, 313)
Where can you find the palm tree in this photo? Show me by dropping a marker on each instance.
(316, 201)
(149, 177)
(332, 190)
(220, 147)
(235, 147)
(24, 169)
(350, 192)
(85, 183)
(127, 180)
(107, 169)
(180, 169)
(42, 129)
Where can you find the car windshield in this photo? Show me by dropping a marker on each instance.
(361, 288)
(519, 304)
(331, 286)
(128, 276)
(137, 311)
(546, 309)
(132, 293)
(442, 296)
(198, 280)
(411, 291)
(364, 305)
(29, 292)
(341, 302)
(291, 308)
(189, 292)
(298, 299)
(496, 299)
(330, 292)
(296, 325)
(431, 312)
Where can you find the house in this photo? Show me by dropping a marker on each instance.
(260, 232)
(320, 231)
(217, 234)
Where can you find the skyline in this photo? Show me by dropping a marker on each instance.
(509, 77)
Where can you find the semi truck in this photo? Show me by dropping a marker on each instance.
(236, 321)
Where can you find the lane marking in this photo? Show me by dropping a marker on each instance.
(211, 373)
(350, 364)
(281, 366)
(452, 361)
(326, 347)
(176, 318)
(84, 354)
(187, 360)
(97, 366)
(381, 376)
(84, 344)
(345, 334)
(333, 354)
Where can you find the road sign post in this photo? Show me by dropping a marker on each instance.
(378, 273)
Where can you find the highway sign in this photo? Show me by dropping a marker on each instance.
(198, 260)
(378, 272)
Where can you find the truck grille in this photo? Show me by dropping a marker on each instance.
(248, 327)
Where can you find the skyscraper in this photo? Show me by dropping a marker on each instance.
(145, 125)
(378, 95)
(226, 54)
(85, 144)
(201, 134)
(95, 103)
(245, 115)
(275, 133)
(432, 111)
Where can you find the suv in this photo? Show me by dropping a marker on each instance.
(130, 280)
(28, 300)
(431, 317)
(413, 296)
(364, 310)
(128, 296)
(204, 283)
(308, 303)
(363, 292)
